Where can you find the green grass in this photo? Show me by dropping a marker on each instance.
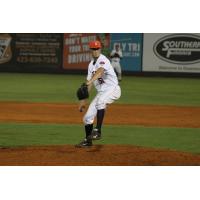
(135, 90)
(38, 87)
(161, 91)
(180, 139)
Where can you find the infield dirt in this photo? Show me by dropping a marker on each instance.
(106, 155)
(146, 115)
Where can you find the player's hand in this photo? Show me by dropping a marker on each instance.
(89, 82)
(82, 105)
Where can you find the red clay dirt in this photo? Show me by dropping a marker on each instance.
(98, 155)
(145, 115)
(106, 155)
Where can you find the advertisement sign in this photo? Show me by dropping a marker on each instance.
(171, 52)
(5, 48)
(38, 49)
(76, 52)
(131, 46)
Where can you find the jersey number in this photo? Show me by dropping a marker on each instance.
(101, 81)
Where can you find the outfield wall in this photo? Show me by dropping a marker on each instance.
(66, 53)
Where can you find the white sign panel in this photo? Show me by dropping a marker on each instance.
(171, 52)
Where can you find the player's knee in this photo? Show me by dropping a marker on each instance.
(100, 105)
(88, 120)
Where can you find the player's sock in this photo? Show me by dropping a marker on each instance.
(100, 117)
(88, 129)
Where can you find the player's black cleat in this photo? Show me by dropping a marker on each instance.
(96, 135)
(85, 143)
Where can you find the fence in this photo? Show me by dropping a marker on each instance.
(69, 52)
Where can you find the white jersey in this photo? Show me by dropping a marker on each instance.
(109, 78)
(116, 59)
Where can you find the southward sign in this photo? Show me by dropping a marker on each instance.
(164, 52)
(178, 48)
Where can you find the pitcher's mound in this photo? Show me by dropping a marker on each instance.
(98, 155)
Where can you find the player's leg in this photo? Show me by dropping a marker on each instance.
(104, 99)
(119, 71)
(96, 133)
(114, 67)
(88, 120)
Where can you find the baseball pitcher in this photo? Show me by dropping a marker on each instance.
(100, 74)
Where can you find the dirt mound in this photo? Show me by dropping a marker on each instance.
(98, 155)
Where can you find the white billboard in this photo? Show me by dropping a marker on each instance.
(171, 52)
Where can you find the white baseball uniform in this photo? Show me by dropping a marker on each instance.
(107, 87)
(115, 61)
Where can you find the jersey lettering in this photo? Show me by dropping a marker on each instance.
(101, 81)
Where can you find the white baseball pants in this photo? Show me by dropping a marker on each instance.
(99, 102)
(117, 67)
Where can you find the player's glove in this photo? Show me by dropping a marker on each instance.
(82, 92)
(116, 55)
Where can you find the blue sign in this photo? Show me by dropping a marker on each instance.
(131, 46)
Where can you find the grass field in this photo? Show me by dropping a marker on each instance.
(182, 139)
(135, 90)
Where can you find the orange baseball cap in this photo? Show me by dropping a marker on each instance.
(95, 44)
